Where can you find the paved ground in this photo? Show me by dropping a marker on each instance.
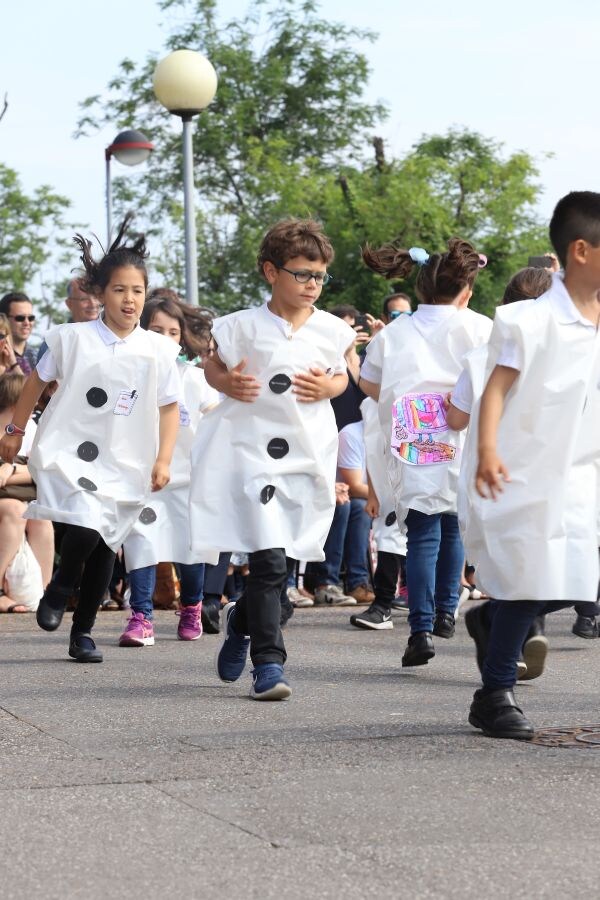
(145, 777)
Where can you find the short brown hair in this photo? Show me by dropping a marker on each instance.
(294, 237)
(528, 284)
(11, 385)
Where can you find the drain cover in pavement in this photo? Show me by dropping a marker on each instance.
(570, 736)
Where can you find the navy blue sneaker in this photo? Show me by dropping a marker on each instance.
(230, 658)
(268, 683)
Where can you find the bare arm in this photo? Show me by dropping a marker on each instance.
(456, 418)
(491, 471)
(372, 507)
(231, 381)
(370, 388)
(354, 479)
(167, 435)
(32, 389)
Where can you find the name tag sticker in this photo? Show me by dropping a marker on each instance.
(125, 403)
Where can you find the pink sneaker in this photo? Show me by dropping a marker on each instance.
(190, 623)
(139, 632)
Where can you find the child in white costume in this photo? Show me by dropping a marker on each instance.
(267, 454)
(415, 361)
(162, 531)
(539, 430)
(95, 451)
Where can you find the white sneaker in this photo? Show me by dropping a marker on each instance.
(332, 595)
(298, 599)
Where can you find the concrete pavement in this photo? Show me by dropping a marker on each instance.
(145, 776)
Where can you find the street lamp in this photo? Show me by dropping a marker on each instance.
(185, 83)
(129, 148)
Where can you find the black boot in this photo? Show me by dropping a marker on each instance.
(586, 627)
(419, 650)
(52, 606)
(498, 715)
(83, 649)
(444, 625)
(478, 627)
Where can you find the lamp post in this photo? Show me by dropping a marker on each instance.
(129, 148)
(185, 83)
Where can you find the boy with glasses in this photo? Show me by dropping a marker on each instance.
(17, 308)
(268, 451)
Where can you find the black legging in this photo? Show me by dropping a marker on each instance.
(85, 560)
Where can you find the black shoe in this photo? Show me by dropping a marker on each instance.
(211, 617)
(287, 611)
(479, 630)
(83, 649)
(444, 625)
(585, 627)
(52, 606)
(498, 715)
(375, 617)
(535, 651)
(419, 649)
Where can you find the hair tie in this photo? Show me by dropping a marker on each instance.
(482, 260)
(418, 255)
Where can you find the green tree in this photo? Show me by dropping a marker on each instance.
(288, 104)
(30, 229)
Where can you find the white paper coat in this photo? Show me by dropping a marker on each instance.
(96, 443)
(263, 473)
(386, 532)
(538, 540)
(416, 357)
(161, 533)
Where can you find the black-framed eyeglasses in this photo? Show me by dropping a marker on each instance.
(302, 276)
(23, 318)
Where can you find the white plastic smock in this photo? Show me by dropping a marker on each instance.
(386, 532)
(263, 473)
(417, 355)
(97, 439)
(538, 540)
(161, 532)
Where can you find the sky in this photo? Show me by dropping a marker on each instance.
(523, 73)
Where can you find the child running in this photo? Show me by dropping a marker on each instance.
(531, 520)
(99, 444)
(162, 532)
(264, 461)
(409, 367)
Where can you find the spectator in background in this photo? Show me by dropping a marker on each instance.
(395, 305)
(83, 307)
(18, 309)
(8, 359)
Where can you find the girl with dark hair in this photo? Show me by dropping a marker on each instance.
(409, 368)
(106, 435)
(163, 533)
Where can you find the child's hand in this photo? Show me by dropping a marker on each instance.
(241, 387)
(314, 385)
(6, 471)
(10, 446)
(372, 506)
(160, 475)
(491, 472)
(342, 493)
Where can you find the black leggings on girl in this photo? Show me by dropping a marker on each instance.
(85, 561)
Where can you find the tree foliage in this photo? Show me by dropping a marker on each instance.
(31, 229)
(289, 133)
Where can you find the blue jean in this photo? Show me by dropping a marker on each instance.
(434, 562)
(348, 540)
(509, 622)
(143, 582)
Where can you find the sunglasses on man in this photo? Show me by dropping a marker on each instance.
(23, 318)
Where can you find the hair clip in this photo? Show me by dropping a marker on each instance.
(418, 255)
(482, 260)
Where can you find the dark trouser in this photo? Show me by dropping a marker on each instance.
(434, 562)
(258, 611)
(385, 578)
(510, 621)
(85, 560)
(215, 578)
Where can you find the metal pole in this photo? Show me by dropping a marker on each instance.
(108, 201)
(191, 263)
